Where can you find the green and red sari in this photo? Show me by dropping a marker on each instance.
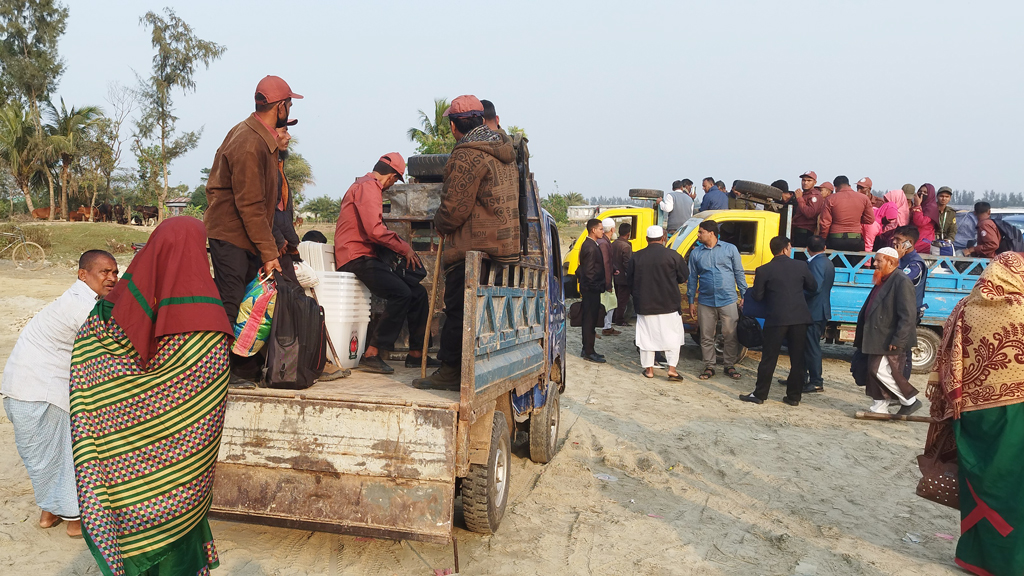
(977, 395)
(148, 384)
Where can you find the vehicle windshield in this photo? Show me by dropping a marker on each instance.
(684, 231)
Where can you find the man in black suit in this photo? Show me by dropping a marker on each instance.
(781, 284)
(820, 303)
(593, 282)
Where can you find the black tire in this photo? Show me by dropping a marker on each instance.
(427, 165)
(544, 428)
(485, 489)
(757, 190)
(925, 351)
(646, 193)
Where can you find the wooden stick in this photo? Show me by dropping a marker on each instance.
(430, 308)
(337, 359)
(868, 415)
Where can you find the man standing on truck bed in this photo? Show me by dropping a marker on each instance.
(358, 236)
(677, 204)
(242, 192)
(479, 211)
(808, 207)
(714, 199)
(843, 214)
(713, 289)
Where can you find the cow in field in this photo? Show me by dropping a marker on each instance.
(41, 213)
(120, 215)
(106, 212)
(147, 212)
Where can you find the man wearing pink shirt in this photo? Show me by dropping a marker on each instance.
(358, 235)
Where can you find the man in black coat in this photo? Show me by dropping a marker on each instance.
(781, 284)
(654, 275)
(886, 330)
(593, 282)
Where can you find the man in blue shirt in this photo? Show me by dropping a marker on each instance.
(714, 199)
(713, 289)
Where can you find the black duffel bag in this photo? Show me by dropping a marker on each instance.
(748, 331)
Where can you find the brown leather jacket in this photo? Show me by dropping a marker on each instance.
(480, 199)
(242, 189)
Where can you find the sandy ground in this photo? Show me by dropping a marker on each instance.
(693, 482)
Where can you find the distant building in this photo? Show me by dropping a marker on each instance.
(176, 206)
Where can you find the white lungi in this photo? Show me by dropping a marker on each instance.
(42, 435)
(659, 333)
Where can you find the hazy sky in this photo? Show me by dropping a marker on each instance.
(613, 95)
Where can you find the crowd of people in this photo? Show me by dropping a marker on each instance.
(852, 217)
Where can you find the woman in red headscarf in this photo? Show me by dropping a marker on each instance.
(148, 382)
(925, 215)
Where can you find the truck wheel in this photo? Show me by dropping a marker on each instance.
(755, 189)
(422, 165)
(544, 429)
(485, 489)
(925, 351)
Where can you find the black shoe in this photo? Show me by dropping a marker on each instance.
(908, 410)
(595, 358)
(584, 354)
(240, 383)
(411, 362)
(751, 398)
(790, 401)
(785, 382)
(374, 364)
(444, 378)
(811, 388)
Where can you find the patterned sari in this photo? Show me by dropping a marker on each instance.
(977, 394)
(148, 384)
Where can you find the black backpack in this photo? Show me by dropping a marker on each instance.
(297, 347)
(1012, 240)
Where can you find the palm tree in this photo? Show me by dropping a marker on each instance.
(69, 130)
(436, 135)
(16, 152)
(575, 199)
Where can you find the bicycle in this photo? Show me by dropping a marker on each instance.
(25, 254)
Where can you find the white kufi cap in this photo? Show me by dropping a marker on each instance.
(655, 231)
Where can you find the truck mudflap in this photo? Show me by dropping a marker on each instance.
(379, 470)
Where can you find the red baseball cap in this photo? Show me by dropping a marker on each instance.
(865, 182)
(810, 174)
(465, 106)
(274, 89)
(395, 160)
(827, 185)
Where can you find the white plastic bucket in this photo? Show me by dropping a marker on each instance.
(349, 339)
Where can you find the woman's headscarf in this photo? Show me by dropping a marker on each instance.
(168, 289)
(930, 205)
(981, 360)
(899, 199)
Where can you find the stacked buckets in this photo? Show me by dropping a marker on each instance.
(346, 304)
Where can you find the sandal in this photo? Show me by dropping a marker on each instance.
(675, 377)
(707, 373)
(732, 373)
(645, 375)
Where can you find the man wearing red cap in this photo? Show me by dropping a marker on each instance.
(479, 211)
(243, 191)
(360, 237)
(808, 207)
(843, 214)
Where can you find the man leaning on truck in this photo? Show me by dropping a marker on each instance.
(242, 192)
(479, 211)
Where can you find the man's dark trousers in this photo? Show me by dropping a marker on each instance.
(796, 339)
(622, 294)
(233, 269)
(812, 354)
(801, 236)
(845, 243)
(590, 308)
(402, 300)
(450, 352)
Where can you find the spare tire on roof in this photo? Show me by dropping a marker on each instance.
(646, 193)
(424, 166)
(757, 190)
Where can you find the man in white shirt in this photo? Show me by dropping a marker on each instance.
(36, 390)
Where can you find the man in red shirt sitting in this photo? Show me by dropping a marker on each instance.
(358, 235)
(988, 233)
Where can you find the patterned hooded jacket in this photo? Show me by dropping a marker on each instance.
(480, 198)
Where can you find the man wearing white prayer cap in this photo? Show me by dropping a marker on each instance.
(605, 243)
(886, 331)
(654, 275)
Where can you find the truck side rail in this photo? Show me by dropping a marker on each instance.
(503, 331)
(949, 280)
